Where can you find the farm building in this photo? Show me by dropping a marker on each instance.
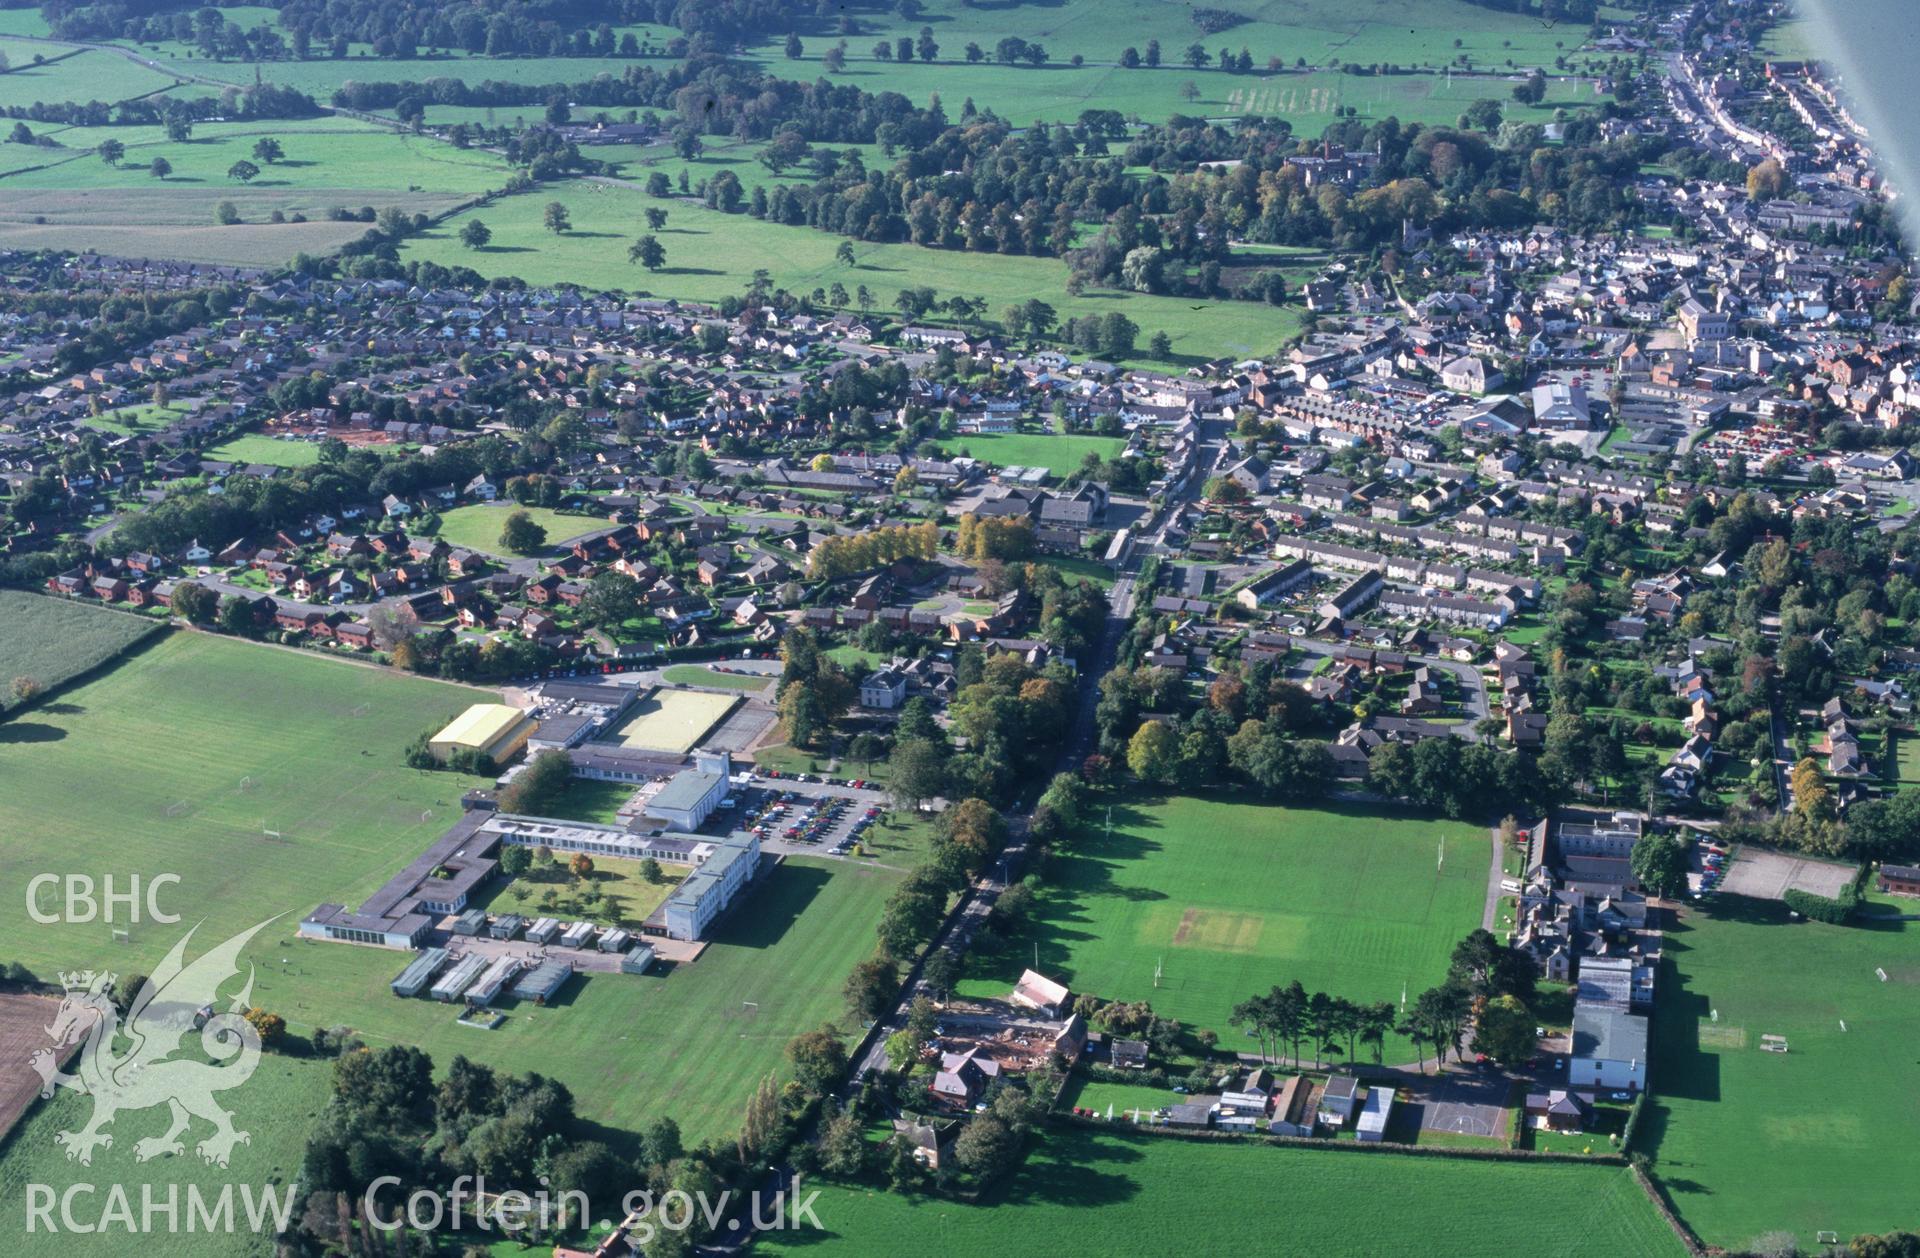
(543, 982)
(709, 890)
(508, 926)
(487, 988)
(543, 930)
(419, 972)
(459, 978)
(578, 935)
(471, 922)
(1374, 1114)
(639, 961)
(494, 730)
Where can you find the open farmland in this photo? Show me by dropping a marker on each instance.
(53, 640)
(70, 198)
(178, 759)
(1232, 898)
(711, 255)
(276, 1107)
(1748, 1141)
(1119, 1192)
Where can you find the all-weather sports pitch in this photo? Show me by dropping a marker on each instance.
(1227, 898)
(672, 720)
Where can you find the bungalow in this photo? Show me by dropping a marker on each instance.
(1040, 994)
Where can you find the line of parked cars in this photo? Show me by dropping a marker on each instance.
(1713, 863)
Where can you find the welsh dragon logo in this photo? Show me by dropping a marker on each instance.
(131, 1066)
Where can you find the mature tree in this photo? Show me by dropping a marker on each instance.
(1659, 861)
(871, 987)
(226, 214)
(987, 1148)
(844, 253)
(612, 598)
(271, 1027)
(26, 689)
(111, 151)
(195, 603)
(268, 150)
(539, 786)
(648, 252)
(1767, 181)
(819, 1059)
(243, 171)
(475, 234)
(522, 535)
(916, 772)
(656, 218)
(1505, 1031)
(555, 218)
(1152, 751)
(237, 616)
(650, 870)
(515, 860)
(159, 168)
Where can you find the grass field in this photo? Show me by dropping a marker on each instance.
(477, 526)
(1059, 454)
(626, 896)
(711, 255)
(671, 720)
(1113, 1192)
(275, 1107)
(1814, 1139)
(75, 196)
(83, 76)
(701, 675)
(237, 738)
(278, 451)
(1232, 898)
(53, 640)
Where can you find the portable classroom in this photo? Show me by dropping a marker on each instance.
(615, 940)
(543, 930)
(459, 978)
(577, 935)
(490, 984)
(471, 922)
(507, 927)
(419, 972)
(543, 982)
(638, 961)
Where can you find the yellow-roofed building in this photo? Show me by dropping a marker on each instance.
(495, 730)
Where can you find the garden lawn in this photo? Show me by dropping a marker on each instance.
(1231, 898)
(477, 526)
(1823, 1137)
(1059, 454)
(278, 451)
(1110, 1191)
(53, 640)
(242, 738)
(711, 255)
